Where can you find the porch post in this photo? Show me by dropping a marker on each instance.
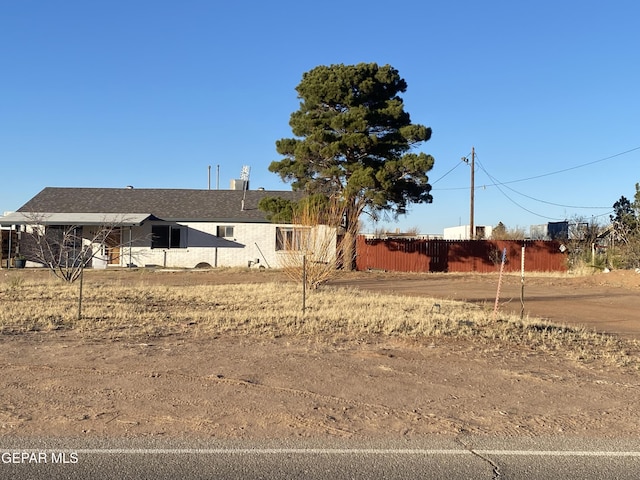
(9, 251)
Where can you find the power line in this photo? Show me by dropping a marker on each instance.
(575, 167)
(539, 200)
(556, 204)
(456, 166)
(497, 184)
(604, 214)
(551, 173)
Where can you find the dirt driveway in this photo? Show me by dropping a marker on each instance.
(607, 302)
(78, 385)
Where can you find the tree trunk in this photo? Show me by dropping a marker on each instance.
(349, 251)
(351, 215)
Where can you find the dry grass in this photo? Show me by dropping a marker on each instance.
(120, 311)
(573, 273)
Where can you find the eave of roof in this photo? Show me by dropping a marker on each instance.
(74, 218)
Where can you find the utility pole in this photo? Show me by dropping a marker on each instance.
(472, 235)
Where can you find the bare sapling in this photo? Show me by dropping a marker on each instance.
(66, 250)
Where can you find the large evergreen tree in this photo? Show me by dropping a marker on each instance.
(625, 218)
(354, 142)
(626, 226)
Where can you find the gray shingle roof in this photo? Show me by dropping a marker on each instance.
(165, 204)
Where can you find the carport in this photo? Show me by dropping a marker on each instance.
(16, 220)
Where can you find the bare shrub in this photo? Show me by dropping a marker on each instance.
(495, 257)
(316, 246)
(625, 254)
(501, 232)
(582, 239)
(625, 238)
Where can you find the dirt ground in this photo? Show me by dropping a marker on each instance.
(65, 384)
(606, 302)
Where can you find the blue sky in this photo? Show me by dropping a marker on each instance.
(150, 93)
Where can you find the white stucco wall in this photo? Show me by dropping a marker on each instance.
(462, 232)
(257, 242)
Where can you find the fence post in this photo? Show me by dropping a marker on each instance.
(504, 259)
(80, 293)
(304, 283)
(522, 284)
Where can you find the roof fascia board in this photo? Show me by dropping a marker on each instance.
(71, 218)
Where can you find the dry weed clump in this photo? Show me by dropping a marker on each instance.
(317, 244)
(274, 309)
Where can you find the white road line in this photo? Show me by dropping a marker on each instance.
(329, 451)
(559, 453)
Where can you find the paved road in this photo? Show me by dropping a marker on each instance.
(469, 458)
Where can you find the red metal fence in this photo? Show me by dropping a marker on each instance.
(482, 256)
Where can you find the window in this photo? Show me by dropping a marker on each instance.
(166, 236)
(290, 238)
(225, 231)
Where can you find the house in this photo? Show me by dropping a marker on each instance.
(461, 232)
(164, 227)
(551, 231)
